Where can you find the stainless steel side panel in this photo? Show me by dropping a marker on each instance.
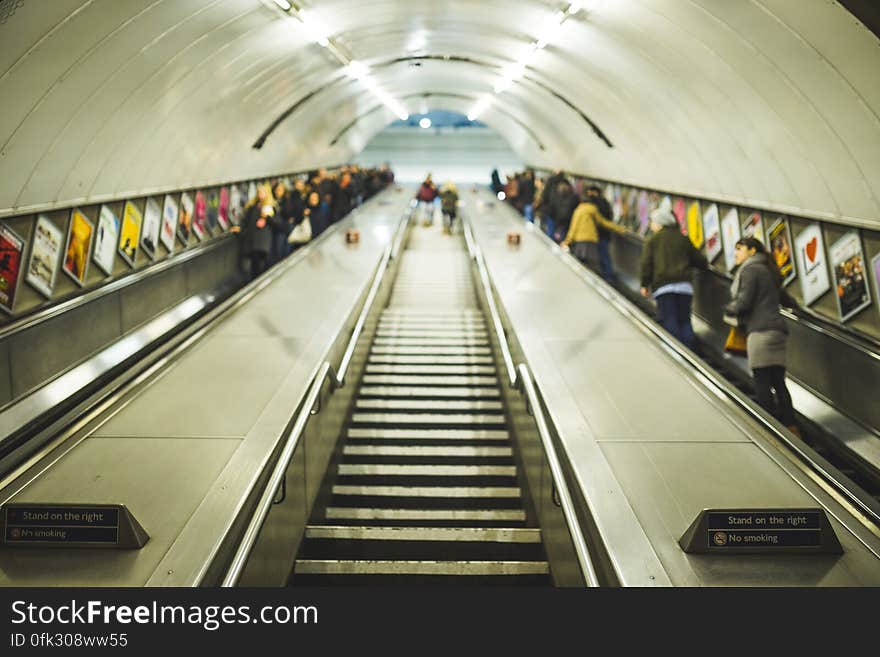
(648, 443)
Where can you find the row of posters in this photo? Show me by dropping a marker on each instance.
(99, 242)
(848, 272)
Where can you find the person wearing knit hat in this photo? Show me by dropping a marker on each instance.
(668, 261)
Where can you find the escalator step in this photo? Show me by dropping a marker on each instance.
(429, 434)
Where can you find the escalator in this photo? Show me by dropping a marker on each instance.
(427, 489)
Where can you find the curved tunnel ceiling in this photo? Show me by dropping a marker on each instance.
(774, 103)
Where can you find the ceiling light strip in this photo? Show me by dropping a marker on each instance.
(321, 35)
(513, 72)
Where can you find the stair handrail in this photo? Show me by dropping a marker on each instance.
(276, 479)
(585, 560)
(477, 255)
(390, 252)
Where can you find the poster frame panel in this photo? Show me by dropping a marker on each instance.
(103, 220)
(185, 209)
(812, 291)
(33, 281)
(849, 236)
(168, 242)
(730, 219)
(758, 233)
(19, 245)
(200, 203)
(76, 212)
(875, 268)
(694, 215)
(771, 234)
(223, 202)
(711, 212)
(129, 212)
(146, 238)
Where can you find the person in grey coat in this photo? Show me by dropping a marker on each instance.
(756, 295)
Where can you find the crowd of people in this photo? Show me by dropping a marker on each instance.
(273, 221)
(582, 222)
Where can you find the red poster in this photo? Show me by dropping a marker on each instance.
(11, 247)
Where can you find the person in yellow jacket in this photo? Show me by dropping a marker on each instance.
(583, 233)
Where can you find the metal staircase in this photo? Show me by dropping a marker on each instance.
(427, 490)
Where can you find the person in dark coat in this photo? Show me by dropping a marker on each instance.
(606, 268)
(497, 185)
(756, 294)
(256, 230)
(564, 203)
(318, 212)
(667, 264)
(527, 194)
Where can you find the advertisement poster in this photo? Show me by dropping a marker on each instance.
(678, 209)
(875, 267)
(169, 223)
(811, 263)
(213, 209)
(152, 226)
(45, 253)
(850, 279)
(223, 209)
(200, 217)
(617, 205)
(643, 212)
(11, 248)
(237, 202)
(79, 246)
(629, 207)
(730, 234)
(184, 223)
(105, 240)
(754, 227)
(779, 239)
(695, 224)
(130, 236)
(712, 233)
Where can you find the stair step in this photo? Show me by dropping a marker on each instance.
(443, 515)
(427, 391)
(430, 360)
(385, 469)
(414, 380)
(428, 405)
(431, 342)
(426, 451)
(364, 567)
(470, 492)
(429, 434)
(427, 418)
(430, 333)
(470, 534)
(432, 349)
(428, 370)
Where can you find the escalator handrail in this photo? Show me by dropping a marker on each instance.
(477, 255)
(379, 276)
(246, 546)
(520, 377)
(585, 560)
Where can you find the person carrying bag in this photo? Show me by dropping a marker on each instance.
(301, 233)
(756, 295)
